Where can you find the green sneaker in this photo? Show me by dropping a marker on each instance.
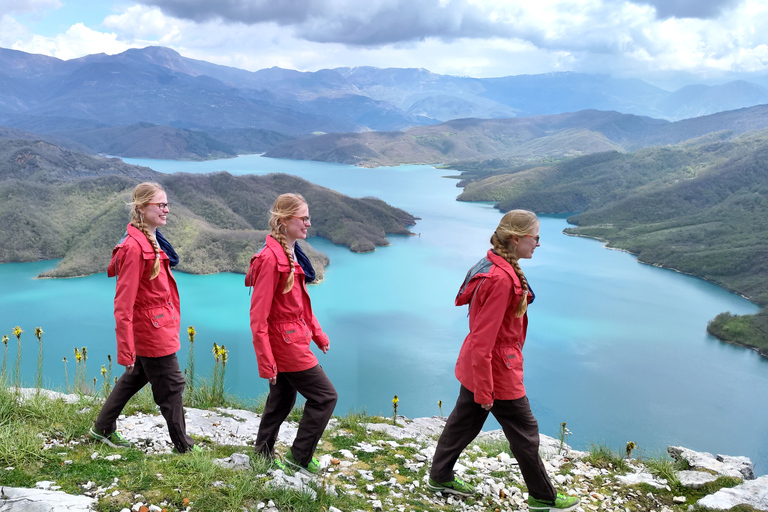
(311, 469)
(455, 487)
(278, 464)
(115, 439)
(562, 503)
(193, 449)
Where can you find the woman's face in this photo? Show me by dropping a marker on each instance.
(527, 244)
(154, 215)
(295, 226)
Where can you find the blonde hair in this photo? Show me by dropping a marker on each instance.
(514, 223)
(285, 206)
(143, 194)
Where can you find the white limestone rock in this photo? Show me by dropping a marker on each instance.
(642, 478)
(695, 479)
(753, 493)
(236, 461)
(738, 467)
(14, 499)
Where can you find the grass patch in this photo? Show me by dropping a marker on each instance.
(601, 456)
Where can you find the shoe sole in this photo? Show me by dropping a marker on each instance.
(449, 490)
(553, 509)
(105, 440)
(298, 468)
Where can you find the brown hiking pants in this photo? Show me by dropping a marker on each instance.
(168, 384)
(520, 428)
(314, 385)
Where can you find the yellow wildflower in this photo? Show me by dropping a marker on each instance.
(5, 339)
(17, 332)
(103, 371)
(38, 333)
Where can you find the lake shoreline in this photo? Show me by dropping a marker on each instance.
(760, 351)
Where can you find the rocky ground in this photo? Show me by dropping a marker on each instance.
(389, 470)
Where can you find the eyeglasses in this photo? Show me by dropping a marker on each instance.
(305, 220)
(537, 237)
(163, 206)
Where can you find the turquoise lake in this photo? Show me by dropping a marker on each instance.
(616, 349)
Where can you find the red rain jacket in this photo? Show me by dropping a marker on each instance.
(147, 314)
(282, 323)
(490, 362)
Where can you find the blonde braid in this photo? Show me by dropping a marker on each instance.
(288, 252)
(502, 250)
(285, 206)
(142, 194)
(144, 229)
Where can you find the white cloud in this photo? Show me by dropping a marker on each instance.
(462, 37)
(139, 22)
(11, 31)
(77, 41)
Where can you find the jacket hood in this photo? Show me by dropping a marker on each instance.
(283, 265)
(480, 271)
(146, 248)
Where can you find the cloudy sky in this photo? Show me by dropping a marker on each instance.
(669, 43)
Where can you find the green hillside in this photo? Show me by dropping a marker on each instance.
(63, 204)
(147, 140)
(519, 141)
(700, 208)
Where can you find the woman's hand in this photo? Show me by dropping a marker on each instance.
(326, 348)
(272, 380)
(129, 368)
(487, 407)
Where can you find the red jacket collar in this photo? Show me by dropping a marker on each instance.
(282, 258)
(502, 264)
(146, 245)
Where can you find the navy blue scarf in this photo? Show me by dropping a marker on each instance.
(306, 265)
(167, 248)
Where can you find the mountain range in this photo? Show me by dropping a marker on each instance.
(157, 85)
(518, 141)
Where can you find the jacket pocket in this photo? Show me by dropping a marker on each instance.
(511, 359)
(160, 317)
(295, 332)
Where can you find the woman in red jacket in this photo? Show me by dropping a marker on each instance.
(283, 325)
(490, 366)
(147, 321)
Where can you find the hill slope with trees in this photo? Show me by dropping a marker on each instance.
(518, 141)
(700, 208)
(64, 204)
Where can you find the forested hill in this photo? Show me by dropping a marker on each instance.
(519, 140)
(701, 209)
(64, 204)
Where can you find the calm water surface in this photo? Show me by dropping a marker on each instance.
(616, 349)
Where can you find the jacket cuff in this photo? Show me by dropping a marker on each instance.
(483, 398)
(321, 339)
(267, 372)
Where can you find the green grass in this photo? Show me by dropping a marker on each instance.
(601, 456)
(176, 482)
(166, 479)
